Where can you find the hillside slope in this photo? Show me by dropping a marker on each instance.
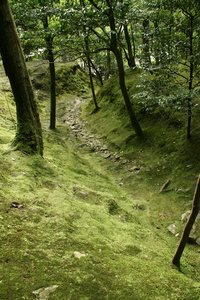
(87, 219)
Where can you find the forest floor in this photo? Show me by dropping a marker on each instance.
(87, 220)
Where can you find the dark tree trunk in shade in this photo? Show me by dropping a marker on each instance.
(50, 57)
(188, 227)
(29, 133)
(117, 52)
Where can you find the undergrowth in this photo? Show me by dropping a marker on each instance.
(75, 201)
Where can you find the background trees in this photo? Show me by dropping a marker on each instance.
(109, 36)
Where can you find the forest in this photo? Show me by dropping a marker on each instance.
(100, 139)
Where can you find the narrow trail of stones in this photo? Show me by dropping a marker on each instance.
(78, 129)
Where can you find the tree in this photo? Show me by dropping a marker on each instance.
(177, 65)
(50, 56)
(188, 226)
(109, 11)
(29, 133)
(43, 14)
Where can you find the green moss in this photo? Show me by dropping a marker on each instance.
(71, 201)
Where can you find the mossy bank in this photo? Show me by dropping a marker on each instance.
(95, 228)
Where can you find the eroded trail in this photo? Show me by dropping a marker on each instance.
(79, 130)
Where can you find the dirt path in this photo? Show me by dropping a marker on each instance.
(78, 129)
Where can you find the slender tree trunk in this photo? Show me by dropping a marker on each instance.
(90, 72)
(129, 107)
(117, 52)
(29, 133)
(131, 58)
(156, 47)
(50, 56)
(108, 62)
(188, 227)
(145, 40)
(191, 79)
(97, 72)
(133, 41)
(53, 89)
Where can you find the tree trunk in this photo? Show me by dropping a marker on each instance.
(50, 56)
(108, 63)
(52, 89)
(191, 77)
(117, 52)
(90, 72)
(126, 97)
(97, 73)
(131, 58)
(29, 133)
(146, 60)
(188, 227)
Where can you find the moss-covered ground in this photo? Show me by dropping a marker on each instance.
(97, 228)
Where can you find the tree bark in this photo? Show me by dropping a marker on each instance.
(146, 59)
(117, 52)
(108, 63)
(50, 56)
(29, 133)
(131, 58)
(90, 74)
(188, 227)
(190, 87)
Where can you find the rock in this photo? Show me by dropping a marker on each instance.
(172, 228)
(198, 241)
(104, 148)
(105, 155)
(134, 168)
(198, 216)
(192, 239)
(82, 193)
(43, 293)
(123, 162)
(78, 254)
(186, 215)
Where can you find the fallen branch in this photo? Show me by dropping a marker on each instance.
(164, 186)
(189, 224)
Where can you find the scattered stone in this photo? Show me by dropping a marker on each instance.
(186, 215)
(134, 168)
(198, 241)
(198, 216)
(82, 193)
(16, 205)
(78, 254)
(123, 162)
(43, 293)
(104, 148)
(172, 228)
(106, 155)
(189, 203)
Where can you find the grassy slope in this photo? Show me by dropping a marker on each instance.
(72, 201)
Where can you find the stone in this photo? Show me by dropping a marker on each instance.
(172, 228)
(186, 215)
(198, 241)
(123, 162)
(105, 155)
